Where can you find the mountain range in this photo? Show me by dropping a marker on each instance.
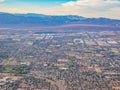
(40, 19)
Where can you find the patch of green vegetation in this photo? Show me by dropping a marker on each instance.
(71, 60)
(15, 69)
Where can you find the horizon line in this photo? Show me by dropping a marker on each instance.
(59, 15)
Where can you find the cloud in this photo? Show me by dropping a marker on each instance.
(13, 10)
(91, 8)
(93, 4)
(2, 0)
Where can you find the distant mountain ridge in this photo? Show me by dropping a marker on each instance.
(40, 19)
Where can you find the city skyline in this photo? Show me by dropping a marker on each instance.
(86, 8)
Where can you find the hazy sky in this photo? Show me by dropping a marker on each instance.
(87, 8)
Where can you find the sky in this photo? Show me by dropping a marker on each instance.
(86, 8)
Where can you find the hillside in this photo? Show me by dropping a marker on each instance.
(40, 19)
